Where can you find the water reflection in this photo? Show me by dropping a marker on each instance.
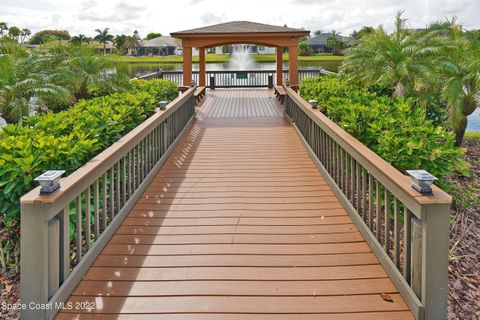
(138, 69)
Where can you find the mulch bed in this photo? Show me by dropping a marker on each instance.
(464, 267)
(10, 294)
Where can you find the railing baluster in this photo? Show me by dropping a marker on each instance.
(96, 199)
(407, 225)
(78, 229)
(378, 201)
(352, 180)
(112, 194)
(396, 231)
(117, 191)
(370, 201)
(88, 224)
(358, 190)
(387, 222)
(105, 201)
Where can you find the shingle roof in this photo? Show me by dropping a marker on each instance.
(239, 27)
(322, 39)
(163, 41)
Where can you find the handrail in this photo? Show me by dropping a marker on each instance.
(413, 250)
(100, 194)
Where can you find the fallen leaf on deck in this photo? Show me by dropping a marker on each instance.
(386, 297)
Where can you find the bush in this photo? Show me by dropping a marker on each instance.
(391, 127)
(65, 140)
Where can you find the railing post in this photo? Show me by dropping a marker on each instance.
(34, 260)
(434, 287)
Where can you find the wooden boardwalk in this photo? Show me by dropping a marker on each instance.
(238, 224)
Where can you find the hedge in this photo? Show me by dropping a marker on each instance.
(65, 140)
(392, 127)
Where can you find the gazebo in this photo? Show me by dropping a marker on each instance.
(240, 32)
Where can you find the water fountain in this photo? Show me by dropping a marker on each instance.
(241, 59)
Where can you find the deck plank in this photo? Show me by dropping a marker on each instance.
(238, 224)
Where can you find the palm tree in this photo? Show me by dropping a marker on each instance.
(461, 71)
(131, 42)
(3, 28)
(24, 33)
(24, 81)
(14, 32)
(103, 36)
(333, 41)
(403, 61)
(79, 39)
(120, 42)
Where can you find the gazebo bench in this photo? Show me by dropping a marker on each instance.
(279, 93)
(200, 92)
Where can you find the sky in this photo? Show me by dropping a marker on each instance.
(123, 17)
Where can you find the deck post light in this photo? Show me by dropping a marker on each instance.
(422, 181)
(162, 105)
(314, 103)
(50, 181)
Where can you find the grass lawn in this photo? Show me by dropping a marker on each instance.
(223, 58)
(475, 136)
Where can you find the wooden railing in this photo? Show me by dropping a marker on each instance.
(233, 78)
(99, 195)
(408, 232)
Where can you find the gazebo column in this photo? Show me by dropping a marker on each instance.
(201, 64)
(293, 65)
(279, 66)
(187, 66)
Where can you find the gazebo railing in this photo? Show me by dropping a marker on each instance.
(234, 78)
(407, 231)
(98, 196)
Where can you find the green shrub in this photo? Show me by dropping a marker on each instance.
(65, 140)
(391, 127)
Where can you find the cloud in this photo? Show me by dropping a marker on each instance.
(120, 12)
(210, 18)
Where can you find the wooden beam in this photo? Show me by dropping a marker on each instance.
(279, 66)
(293, 65)
(187, 66)
(201, 64)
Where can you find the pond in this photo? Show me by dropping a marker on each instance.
(138, 69)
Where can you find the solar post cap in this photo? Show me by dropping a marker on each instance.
(49, 181)
(163, 105)
(422, 181)
(314, 103)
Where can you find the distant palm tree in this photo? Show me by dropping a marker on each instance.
(103, 36)
(317, 32)
(120, 42)
(14, 32)
(131, 42)
(79, 39)
(333, 41)
(3, 28)
(24, 33)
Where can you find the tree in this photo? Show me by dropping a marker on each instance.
(131, 43)
(24, 33)
(103, 36)
(317, 32)
(14, 32)
(49, 35)
(461, 71)
(120, 43)
(27, 80)
(401, 61)
(333, 42)
(3, 28)
(362, 32)
(79, 40)
(153, 35)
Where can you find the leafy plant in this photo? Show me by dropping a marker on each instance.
(390, 126)
(65, 140)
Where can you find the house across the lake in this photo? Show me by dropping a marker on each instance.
(319, 43)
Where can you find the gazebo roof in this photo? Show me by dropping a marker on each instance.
(239, 27)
